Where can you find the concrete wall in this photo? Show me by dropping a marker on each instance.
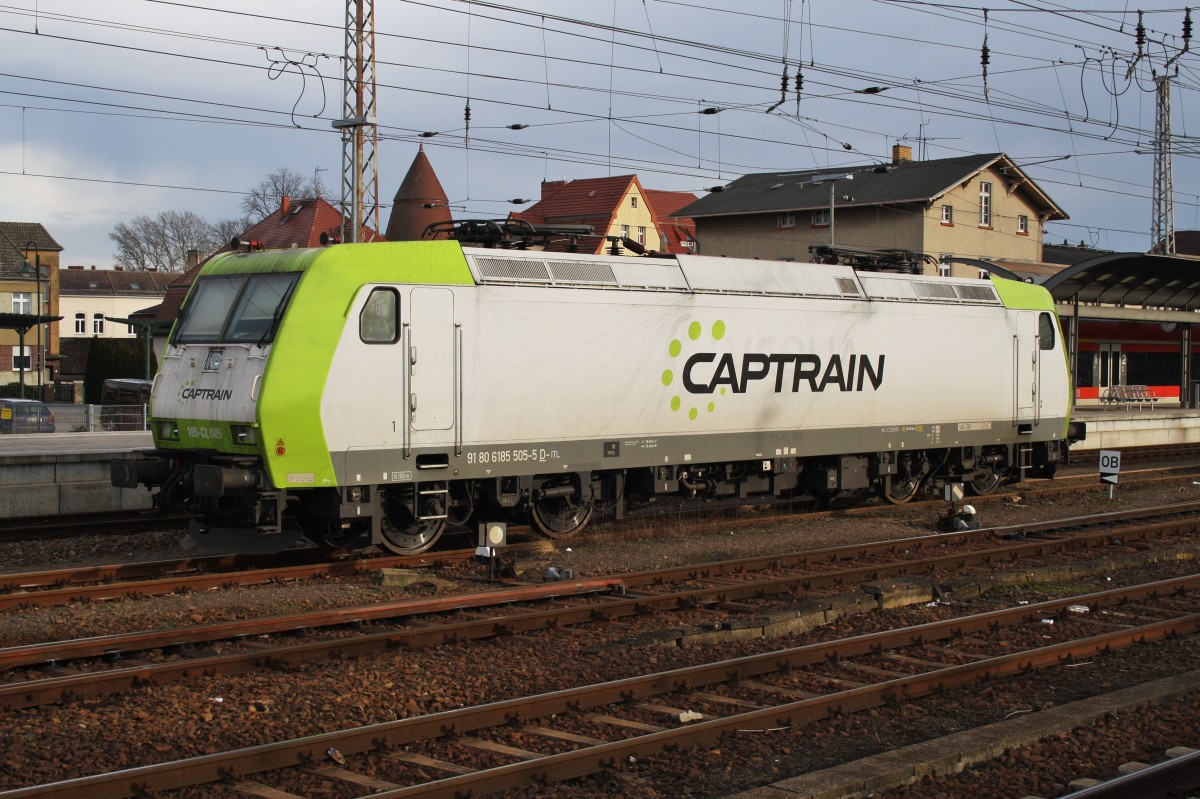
(48, 485)
(1139, 429)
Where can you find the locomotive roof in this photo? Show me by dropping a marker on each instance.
(700, 274)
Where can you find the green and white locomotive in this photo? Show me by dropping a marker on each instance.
(373, 394)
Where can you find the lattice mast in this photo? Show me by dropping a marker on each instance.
(360, 181)
(1162, 221)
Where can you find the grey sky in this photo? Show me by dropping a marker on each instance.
(128, 107)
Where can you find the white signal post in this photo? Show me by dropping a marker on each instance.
(1110, 468)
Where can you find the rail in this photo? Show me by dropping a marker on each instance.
(394, 739)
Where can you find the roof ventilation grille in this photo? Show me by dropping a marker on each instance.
(513, 269)
(976, 292)
(582, 272)
(935, 291)
(848, 286)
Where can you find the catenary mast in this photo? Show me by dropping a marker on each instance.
(360, 181)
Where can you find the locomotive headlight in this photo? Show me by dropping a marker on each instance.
(168, 429)
(244, 435)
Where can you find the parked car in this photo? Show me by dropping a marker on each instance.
(25, 416)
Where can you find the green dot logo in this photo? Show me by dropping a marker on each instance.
(695, 333)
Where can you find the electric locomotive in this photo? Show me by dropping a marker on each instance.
(366, 395)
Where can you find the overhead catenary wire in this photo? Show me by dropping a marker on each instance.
(948, 99)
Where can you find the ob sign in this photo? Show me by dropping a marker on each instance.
(1110, 466)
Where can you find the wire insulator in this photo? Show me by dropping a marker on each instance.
(985, 55)
(1141, 35)
(1187, 25)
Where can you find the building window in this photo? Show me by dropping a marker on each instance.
(633, 202)
(984, 274)
(690, 244)
(641, 235)
(130, 331)
(22, 302)
(785, 220)
(22, 358)
(624, 231)
(1022, 225)
(98, 324)
(947, 214)
(985, 204)
(820, 218)
(81, 323)
(943, 270)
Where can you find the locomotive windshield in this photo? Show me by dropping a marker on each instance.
(235, 308)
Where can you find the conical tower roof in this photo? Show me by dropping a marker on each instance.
(410, 216)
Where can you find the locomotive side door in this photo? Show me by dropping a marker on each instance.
(433, 365)
(1026, 369)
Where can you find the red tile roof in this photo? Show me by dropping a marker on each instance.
(666, 203)
(596, 201)
(300, 223)
(677, 231)
(588, 201)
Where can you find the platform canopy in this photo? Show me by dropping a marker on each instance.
(22, 322)
(1170, 282)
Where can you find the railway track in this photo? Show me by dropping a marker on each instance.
(565, 734)
(128, 522)
(722, 592)
(32, 528)
(155, 578)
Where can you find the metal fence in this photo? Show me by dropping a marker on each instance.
(98, 418)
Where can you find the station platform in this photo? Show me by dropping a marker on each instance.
(57, 473)
(50, 474)
(1145, 427)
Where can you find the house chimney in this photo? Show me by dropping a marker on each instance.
(285, 205)
(193, 258)
(901, 153)
(551, 186)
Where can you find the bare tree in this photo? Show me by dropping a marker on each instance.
(264, 199)
(161, 242)
(226, 229)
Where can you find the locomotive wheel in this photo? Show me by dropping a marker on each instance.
(560, 516)
(986, 484)
(899, 490)
(403, 534)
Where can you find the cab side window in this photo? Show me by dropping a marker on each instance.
(379, 322)
(1046, 331)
